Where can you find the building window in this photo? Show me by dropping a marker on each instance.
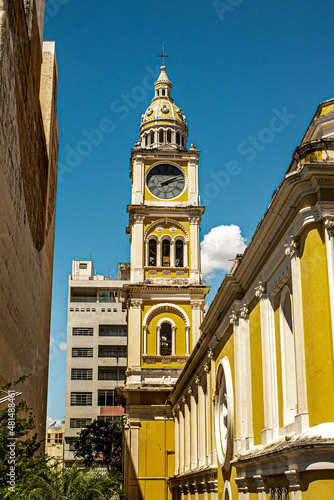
(81, 399)
(82, 374)
(166, 253)
(82, 352)
(169, 136)
(121, 375)
(109, 351)
(108, 296)
(152, 137)
(165, 339)
(82, 331)
(78, 423)
(82, 265)
(152, 253)
(106, 398)
(179, 253)
(289, 383)
(177, 138)
(107, 373)
(72, 444)
(161, 135)
(112, 331)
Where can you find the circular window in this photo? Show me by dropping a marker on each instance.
(224, 413)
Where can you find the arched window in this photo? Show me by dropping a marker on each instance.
(288, 359)
(177, 138)
(166, 253)
(169, 136)
(179, 253)
(161, 135)
(152, 253)
(163, 92)
(152, 137)
(165, 339)
(182, 140)
(145, 140)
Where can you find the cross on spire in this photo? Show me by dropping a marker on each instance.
(163, 54)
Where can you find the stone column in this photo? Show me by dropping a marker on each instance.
(197, 318)
(302, 418)
(159, 262)
(181, 447)
(158, 340)
(177, 441)
(144, 340)
(134, 338)
(185, 254)
(172, 253)
(173, 340)
(195, 265)
(207, 413)
(329, 225)
(186, 433)
(267, 433)
(194, 430)
(137, 249)
(201, 427)
(187, 341)
(137, 180)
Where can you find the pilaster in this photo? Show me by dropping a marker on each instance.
(301, 419)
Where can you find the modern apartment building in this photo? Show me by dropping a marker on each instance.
(96, 349)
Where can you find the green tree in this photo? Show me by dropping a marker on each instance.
(71, 483)
(101, 442)
(18, 442)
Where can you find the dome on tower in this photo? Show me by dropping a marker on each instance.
(163, 125)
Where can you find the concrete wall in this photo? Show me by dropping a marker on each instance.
(28, 181)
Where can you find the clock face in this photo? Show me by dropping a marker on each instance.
(165, 181)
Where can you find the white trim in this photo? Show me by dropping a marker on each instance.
(224, 375)
(289, 383)
(166, 220)
(166, 305)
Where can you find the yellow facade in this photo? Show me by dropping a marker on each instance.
(253, 408)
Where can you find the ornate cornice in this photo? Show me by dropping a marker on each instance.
(261, 290)
(292, 248)
(244, 311)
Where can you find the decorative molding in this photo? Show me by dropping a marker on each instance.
(135, 303)
(137, 219)
(206, 368)
(166, 306)
(190, 390)
(166, 220)
(244, 311)
(281, 281)
(292, 248)
(126, 421)
(261, 290)
(224, 414)
(329, 225)
(233, 318)
(197, 380)
(195, 219)
(211, 353)
(197, 304)
(260, 483)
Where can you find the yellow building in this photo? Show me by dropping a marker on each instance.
(254, 406)
(54, 446)
(165, 297)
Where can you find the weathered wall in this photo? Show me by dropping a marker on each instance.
(28, 177)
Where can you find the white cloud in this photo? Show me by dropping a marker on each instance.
(50, 421)
(62, 346)
(219, 247)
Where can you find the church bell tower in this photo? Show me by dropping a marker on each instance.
(165, 298)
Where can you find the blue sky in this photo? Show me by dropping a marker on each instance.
(248, 75)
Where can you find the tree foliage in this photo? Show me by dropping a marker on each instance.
(18, 442)
(71, 483)
(101, 442)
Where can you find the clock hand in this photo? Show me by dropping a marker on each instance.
(170, 180)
